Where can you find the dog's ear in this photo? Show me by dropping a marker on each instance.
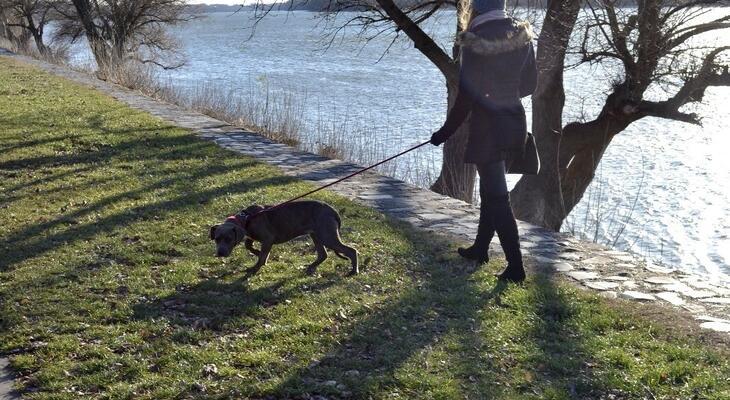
(212, 231)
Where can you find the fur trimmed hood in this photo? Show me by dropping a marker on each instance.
(513, 41)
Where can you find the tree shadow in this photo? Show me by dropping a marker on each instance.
(34, 239)
(214, 303)
(449, 312)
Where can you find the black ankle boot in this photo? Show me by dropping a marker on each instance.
(479, 251)
(509, 238)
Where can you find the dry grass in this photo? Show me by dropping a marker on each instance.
(282, 117)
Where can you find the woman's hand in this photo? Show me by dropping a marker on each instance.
(440, 136)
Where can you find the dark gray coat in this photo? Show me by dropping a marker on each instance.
(497, 69)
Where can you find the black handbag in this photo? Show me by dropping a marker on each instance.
(528, 163)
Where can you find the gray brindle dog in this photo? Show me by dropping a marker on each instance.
(273, 225)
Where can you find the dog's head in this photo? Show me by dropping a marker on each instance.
(226, 236)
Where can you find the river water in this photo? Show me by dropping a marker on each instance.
(662, 189)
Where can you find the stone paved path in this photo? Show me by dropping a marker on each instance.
(6, 381)
(612, 273)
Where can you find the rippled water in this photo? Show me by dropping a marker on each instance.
(663, 184)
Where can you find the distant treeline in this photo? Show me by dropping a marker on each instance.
(320, 5)
(298, 5)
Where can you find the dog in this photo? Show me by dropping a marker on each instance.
(273, 225)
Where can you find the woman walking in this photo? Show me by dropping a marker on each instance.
(497, 69)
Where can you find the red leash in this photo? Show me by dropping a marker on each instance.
(349, 176)
(245, 221)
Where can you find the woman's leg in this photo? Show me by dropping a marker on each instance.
(491, 181)
(493, 190)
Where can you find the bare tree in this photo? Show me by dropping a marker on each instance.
(122, 30)
(651, 41)
(10, 30)
(654, 46)
(31, 16)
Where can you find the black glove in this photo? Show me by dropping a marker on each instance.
(440, 136)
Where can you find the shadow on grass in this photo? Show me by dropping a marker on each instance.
(449, 312)
(34, 239)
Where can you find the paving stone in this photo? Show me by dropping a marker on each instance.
(616, 278)
(629, 285)
(601, 285)
(687, 291)
(597, 260)
(711, 318)
(433, 216)
(716, 300)
(638, 296)
(543, 260)
(570, 256)
(661, 280)
(670, 297)
(582, 275)
(563, 267)
(375, 197)
(716, 326)
(651, 267)
(694, 308)
(6, 381)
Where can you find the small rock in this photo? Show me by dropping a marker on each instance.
(329, 383)
(210, 369)
(352, 373)
(638, 296)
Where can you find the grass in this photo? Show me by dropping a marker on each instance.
(108, 286)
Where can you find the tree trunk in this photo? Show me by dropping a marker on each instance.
(456, 178)
(538, 198)
(99, 48)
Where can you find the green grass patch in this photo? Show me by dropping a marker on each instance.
(109, 287)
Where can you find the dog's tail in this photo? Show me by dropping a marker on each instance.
(340, 255)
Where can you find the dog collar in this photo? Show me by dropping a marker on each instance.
(237, 220)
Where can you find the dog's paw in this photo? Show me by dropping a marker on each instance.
(310, 271)
(353, 272)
